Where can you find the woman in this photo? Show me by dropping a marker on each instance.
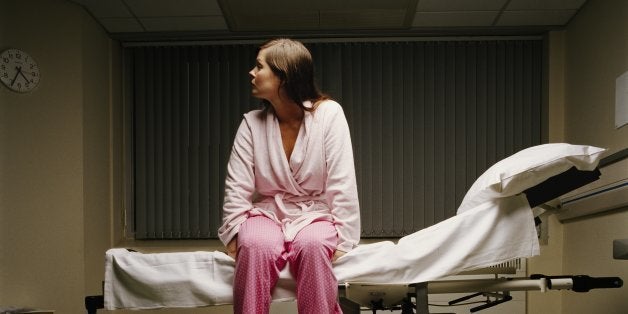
(290, 191)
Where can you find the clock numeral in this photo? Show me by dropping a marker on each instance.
(34, 74)
(5, 60)
(5, 75)
(3, 67)
(18, 56)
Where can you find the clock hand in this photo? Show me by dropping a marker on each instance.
(24, 76)
(19, 70)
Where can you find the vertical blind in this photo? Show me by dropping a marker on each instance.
(426, 119)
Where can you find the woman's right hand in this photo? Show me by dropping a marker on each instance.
(232, 248)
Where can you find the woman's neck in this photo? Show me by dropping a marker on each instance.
(288, 112)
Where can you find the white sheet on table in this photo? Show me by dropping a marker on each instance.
(491, 233)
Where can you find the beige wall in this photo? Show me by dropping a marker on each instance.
(596, 54)
(101, 93)
(54, 147)
(589, 54)
(596, 48)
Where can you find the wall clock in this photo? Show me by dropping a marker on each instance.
(18, 70)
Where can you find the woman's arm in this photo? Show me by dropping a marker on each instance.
(239, 185)
(341, 187)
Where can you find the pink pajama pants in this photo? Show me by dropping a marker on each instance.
(263, 252)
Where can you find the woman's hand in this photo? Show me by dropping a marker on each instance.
(232, 248)
(337, 255)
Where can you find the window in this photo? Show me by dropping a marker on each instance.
(426, 118)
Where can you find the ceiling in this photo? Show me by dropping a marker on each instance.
(188, 18)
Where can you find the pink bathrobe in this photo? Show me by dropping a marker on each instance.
(317, 183)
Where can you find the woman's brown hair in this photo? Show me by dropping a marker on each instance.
(292, 62)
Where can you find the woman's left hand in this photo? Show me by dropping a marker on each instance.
(337, 255)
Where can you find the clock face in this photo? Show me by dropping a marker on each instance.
(18, 70)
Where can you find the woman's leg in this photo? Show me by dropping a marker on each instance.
(258, 263)
(310, 255)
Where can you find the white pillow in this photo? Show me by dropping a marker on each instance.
(527, 168)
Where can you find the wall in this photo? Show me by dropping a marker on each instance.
(54, 157)
(589, 54)
(597, 53)
(3, 248)
(101, 89)
(596, 46)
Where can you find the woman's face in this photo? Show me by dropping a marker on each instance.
(265, 84)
